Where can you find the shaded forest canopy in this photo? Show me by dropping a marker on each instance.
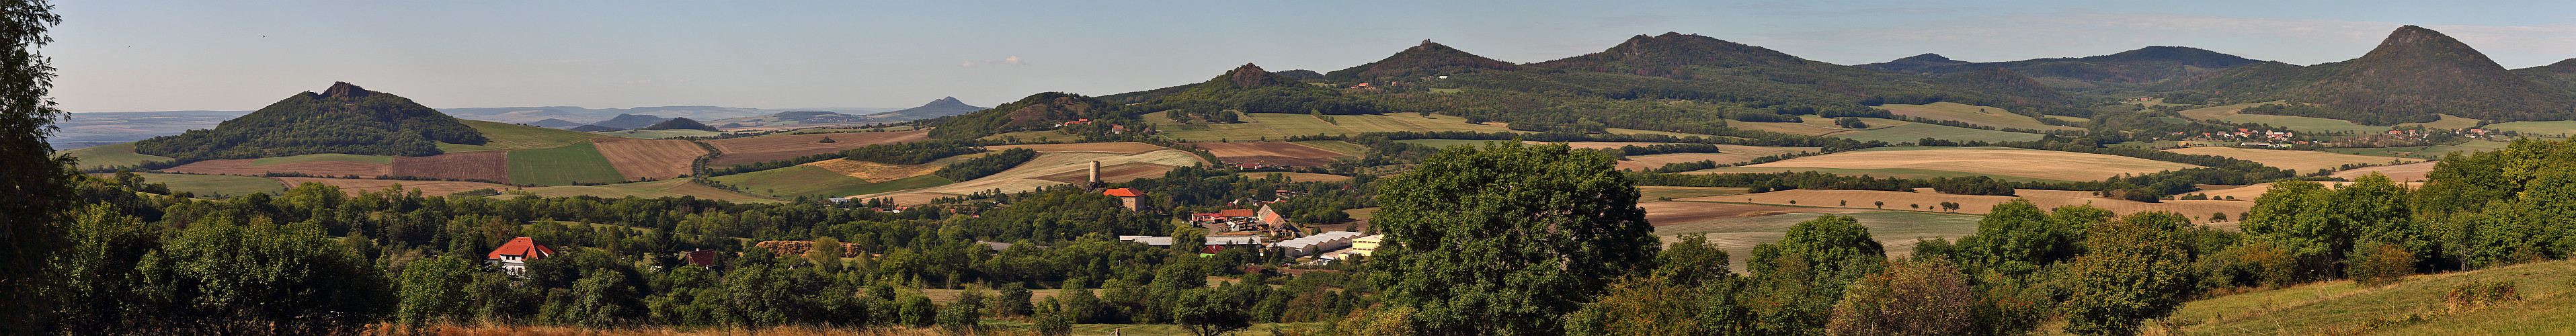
(345, 119)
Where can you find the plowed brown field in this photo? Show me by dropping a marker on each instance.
(1270, 153)
(485, 165)
(657, 159)
(243, 167)
(779, 147)
(427, 188)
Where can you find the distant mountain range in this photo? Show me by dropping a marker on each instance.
(87, 129)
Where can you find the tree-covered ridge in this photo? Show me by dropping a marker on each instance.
(2415, 71)
(1427, 59)
(344, 119)
(2008, 82)
(2561, 74)
(2144, 65)
(1248, 89)
(679, 123)
(1036, 111)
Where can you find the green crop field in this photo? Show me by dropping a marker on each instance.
(111, 155)
(1896, 229)
(2221, 111)
(1276, 126)
(2342, 307)
(213, 185)
(1981, 115)
(816, 181)
(1911, 132)
(565, 165)
(321, 158)
(2544, 128)
(500, 136)
(659, 134)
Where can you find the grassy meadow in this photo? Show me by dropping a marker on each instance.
(577, 163)
(1973, 114)
(2541, 128)
(210, 185)
(110, 156)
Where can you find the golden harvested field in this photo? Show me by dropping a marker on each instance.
(1738, 228)
(1269, 153)
(2250, 192)
(873, 172)
(484, 165)
(1652, 193)
(1051, 169)
(658, 159)
(2302, 161)
(2030, 163)
(2402, 173)
(243, 167)
(769, 148)
(427, 188)
(1730, 154)
(1981, 115)
(1973, 204)
(1097, 147)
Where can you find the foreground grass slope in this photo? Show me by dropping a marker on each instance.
(2344, 307)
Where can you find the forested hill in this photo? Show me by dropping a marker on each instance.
(2006, 81)
(2561, 74)
(2144, 65)
(1427, 59)
(2414, 72)
(343, 119)
(1037, 111)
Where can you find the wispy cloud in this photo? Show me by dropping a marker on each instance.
(1013, 60)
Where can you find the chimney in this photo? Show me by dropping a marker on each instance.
(1095, 172)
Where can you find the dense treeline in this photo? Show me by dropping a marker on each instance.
(913, 153)
(1767, 182)
(149, 263)
(987, 165)
(772, 164)
(349, 120)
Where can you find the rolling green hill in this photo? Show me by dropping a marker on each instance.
(117, 155)
(343, 119)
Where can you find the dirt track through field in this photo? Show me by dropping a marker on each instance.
(655, 159)
(780, 147)
(427, 188)
(243, 167)
(485, 165)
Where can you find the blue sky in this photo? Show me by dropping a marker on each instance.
(241, 55)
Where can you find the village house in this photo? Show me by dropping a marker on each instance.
(515, 255)
(1132, 199)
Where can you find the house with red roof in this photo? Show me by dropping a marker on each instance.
(1132, 198)
(515, 255)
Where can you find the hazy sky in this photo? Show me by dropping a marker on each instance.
(241, 55)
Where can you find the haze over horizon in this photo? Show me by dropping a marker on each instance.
(173, 55)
